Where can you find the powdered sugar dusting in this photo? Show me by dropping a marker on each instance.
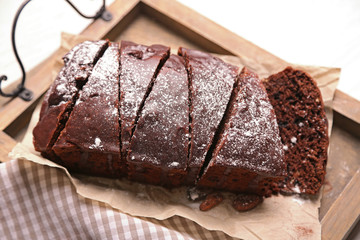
(94, 121)
(78, 65)
(251, 139)
(212, 84)
(161, 136)
(139, 64)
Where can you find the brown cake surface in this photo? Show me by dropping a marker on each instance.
(139, 66)
(303, 128)
(89, 142)
(211, 84)
(249, 148)
(62, 94)
(158, 151)
(187, 120)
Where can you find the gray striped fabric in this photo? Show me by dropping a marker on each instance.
(39, 202)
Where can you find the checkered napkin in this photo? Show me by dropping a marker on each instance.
(39, 202)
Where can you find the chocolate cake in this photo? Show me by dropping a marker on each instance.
(158, 151)
(139, 67)
(211, 84)
(183, 120)
(89, 142)
(62, 95)
(300, 114)
(248, 149)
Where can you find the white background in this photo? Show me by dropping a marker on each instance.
(309, 32)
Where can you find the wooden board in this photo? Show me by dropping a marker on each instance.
(170, 23)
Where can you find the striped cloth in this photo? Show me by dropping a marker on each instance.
(39, 202)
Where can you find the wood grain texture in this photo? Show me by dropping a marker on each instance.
(344, 160)
(120, 9)
(347, 106)
(339, 220)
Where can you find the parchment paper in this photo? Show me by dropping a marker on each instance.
(278, 217)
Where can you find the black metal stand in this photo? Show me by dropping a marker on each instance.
(21, 91)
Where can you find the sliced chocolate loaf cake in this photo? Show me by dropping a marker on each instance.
(89, 142)
(182, 120)
(139, 67)
(300, 114)
(249, 149)
(211, 84)
(158, 151)
(62, 94)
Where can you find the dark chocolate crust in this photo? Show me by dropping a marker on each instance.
(158, 151)
(211, 84)
(62, 94)
(303, 126)
(249, 147)
(89, 142)
(139, 66)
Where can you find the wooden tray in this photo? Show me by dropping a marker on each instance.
(169, 22)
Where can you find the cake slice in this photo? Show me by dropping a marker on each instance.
(139, 67)
(211, 84)
(62, 94)
(158, 151)
(89, 142)
(249, 150)
(300, 114)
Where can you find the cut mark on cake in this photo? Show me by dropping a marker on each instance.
(119, 106)
(221, 127)
(148, 91)
(64, 116)
(190, 92)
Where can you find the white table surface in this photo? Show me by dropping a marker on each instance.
(324, 33)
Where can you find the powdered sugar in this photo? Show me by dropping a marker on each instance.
(161, 134)
(139, 64)
(78, 65)
(212, 84)
(96, 109)
(251, 139)
(173, 165)
(97, 144)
